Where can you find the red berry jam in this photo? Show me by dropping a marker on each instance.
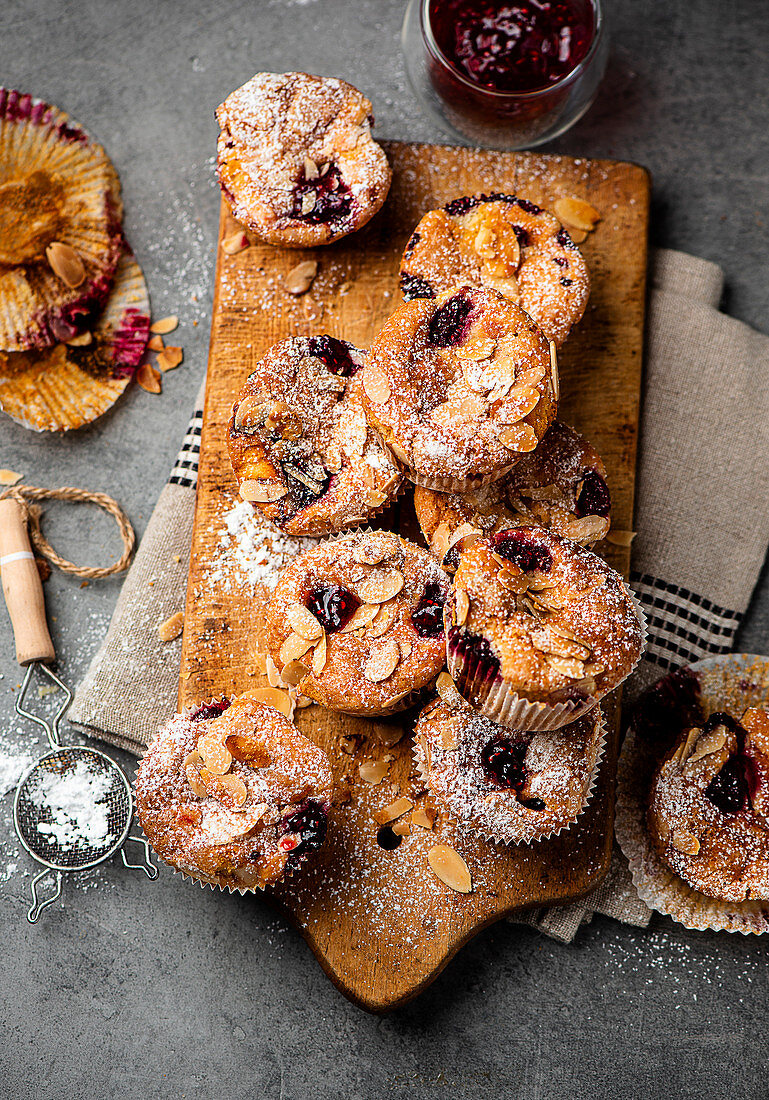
(333, 606)
(427, 616)
(521, 46)
(522, 548)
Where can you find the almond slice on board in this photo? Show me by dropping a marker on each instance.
(395, 810)
(164, 325)
(578, 213)
(450, 868)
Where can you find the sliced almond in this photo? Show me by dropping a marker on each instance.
(402, 827)
(392, 812)
(319, 656)
(565, 666)
(191, 765)
(169, 358)
(273, 697)
(83, 339)
(149, 378)
(382, 661)
(310, 169)
(294, 672)
(9, 477)
(585, 528)
(447, 690)
(388, 735)
(462, 601)
(380, 587)
(465, 535)
(424, 816)
(303, 622)
(231, 791)
(555, 380)
(687, 748)
(370, 553)
(155, 343)
(373, 771)
(216, 757)
(405, 647)
(521, 437)
(684, 841)
(577, 235)
(363, 616)
(295, 646)
(450, 868)
(172, 627)
(65, 263)
(376, 384)
(164, 325)
(708, 743)
(274, 679)
(576, 212)
(620, 538)
(308, 202)
(235, 242)
(262, 492)
(393, 701)
(482, 347)
(299, 279)
(382, 621)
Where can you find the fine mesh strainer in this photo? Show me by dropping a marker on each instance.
(49, 833)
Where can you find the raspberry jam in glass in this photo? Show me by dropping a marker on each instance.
(505, 73)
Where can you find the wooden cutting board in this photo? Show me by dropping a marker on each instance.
(381, 925)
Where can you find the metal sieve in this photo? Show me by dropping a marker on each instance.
(33, 819)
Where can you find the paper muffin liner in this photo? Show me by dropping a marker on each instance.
(444, 484)
(65, 387)
(659, 887)
(78, 191)
(532, 834)
(498, 701)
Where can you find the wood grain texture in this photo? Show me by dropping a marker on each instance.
(380, 923)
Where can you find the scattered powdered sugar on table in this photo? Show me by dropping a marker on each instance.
(77, 802)
(251, 550)
(13, 764)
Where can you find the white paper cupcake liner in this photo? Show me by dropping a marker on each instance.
(529, 832)
(656, 884)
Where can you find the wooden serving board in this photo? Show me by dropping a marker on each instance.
(381, 925)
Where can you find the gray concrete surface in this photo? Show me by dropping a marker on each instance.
(138, 990)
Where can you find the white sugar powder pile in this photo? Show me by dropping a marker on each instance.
(13, 764)
(255, 549)
(76, 802)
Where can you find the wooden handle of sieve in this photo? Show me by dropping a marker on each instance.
(22, 588)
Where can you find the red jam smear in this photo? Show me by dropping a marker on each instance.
(513, 47)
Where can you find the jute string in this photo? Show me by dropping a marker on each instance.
(25, 495)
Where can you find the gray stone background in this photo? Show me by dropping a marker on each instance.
(146, 990)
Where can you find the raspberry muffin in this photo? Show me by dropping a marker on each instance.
(357, 623)
(560, 485)
(296, 160)
(504, 242)
(233, 795)
(505, 784)
(299, 442)
(459, 388)
(539, 629)
(708, 813)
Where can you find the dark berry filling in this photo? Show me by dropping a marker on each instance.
(566, 282)
(333, 606)
(533, 803)
(451, 559)
(335, 354)
(667, 708)
(387, 838)
(479, 664)
(502, 761)
(412, 286)
(561, 261)
(522, 235)
(522, 548)
(450, 322)
(594, 498)
(731, 788)
(428, 614)
(209, 710)
(564, 240)
(467, 202)
(528, 206)
(309, 825)
(333, 198)
(414, 240)
(306, 484)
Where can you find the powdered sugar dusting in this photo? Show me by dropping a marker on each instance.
(251, 550)
(76, 802)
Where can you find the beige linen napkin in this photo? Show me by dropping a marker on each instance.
(703, 476)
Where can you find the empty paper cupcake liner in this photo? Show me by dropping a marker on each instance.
(741, 680)
(527, 832)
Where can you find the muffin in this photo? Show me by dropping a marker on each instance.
(459, 388)
(296, 160)
(233, 795)
(357, 623)
(504, 242)
(708, 813)
(299, 443)
(560, 485)
(507, 785)
(538, 628)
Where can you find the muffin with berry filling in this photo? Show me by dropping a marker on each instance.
(296, 160)
(233, 795)
(507, 785)
(708, 813)
(560, 485)
(357, 623)
(504, 242)
(299, 442)
(459, 388)
(539, 629)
